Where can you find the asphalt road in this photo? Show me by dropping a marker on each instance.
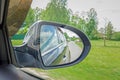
(75, 50)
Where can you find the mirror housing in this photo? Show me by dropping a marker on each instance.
(32, 46)
(81, 35)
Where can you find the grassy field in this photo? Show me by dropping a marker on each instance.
(102, 63)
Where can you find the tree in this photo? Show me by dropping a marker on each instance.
(66, 36)
(74, 19)
(103, 34)
(109, 30)
(77, 21)
(116, 36)
(37, 13)
(30, 18)
(92, 23)
(56, 11)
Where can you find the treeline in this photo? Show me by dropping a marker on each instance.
(58, 11)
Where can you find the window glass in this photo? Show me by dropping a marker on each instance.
(48, 38)
(98, 19)
(61, 36)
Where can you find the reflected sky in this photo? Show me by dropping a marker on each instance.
(70, 33)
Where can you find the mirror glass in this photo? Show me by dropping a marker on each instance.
(59, 46)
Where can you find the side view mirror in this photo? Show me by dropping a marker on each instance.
(52, 45)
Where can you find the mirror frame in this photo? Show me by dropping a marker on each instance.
(83, 37)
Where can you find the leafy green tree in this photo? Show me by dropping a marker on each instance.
(30, 18)
(116, 36)
(109, 30)
(82, 25)
(102, 34)
(87, 23)
(92, 23)
(73, 38)
(37, 13)
(66, 35)
(75, 18)
(102, 31)
(77, 21)
(56, 11)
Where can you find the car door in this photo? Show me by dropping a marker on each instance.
(63, 48)
(53, 46)
(49, 44)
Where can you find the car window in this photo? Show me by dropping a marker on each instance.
(61, 36)
(48, 38)
(98, 19)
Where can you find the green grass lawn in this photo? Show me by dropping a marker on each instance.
(102, 63)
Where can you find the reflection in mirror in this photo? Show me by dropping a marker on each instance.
(59, 46)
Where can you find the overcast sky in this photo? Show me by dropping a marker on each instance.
(106, 9)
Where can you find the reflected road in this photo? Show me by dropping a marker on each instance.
(75, 50)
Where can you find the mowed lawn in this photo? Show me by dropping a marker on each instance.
(102, 63)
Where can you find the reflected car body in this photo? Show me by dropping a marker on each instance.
(53, 47)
